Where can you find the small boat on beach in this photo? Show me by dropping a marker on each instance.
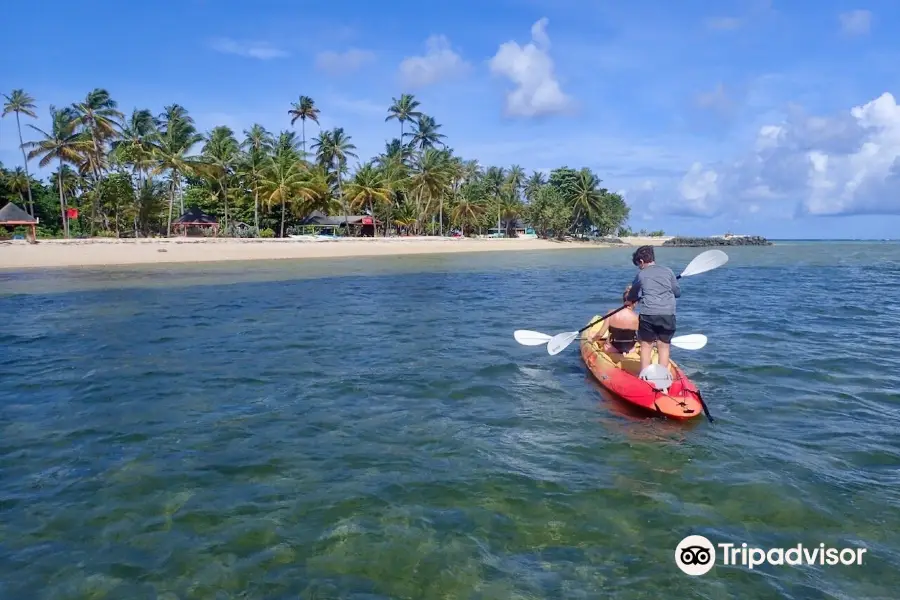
(673, 396)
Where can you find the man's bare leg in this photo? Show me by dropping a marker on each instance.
(663, 349)
(646, 354)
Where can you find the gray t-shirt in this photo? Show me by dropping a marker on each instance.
(657, 289)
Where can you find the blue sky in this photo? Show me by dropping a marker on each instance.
(755, 116)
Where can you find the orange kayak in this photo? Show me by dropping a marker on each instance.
(618, 373)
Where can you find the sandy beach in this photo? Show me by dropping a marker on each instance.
(111, 252)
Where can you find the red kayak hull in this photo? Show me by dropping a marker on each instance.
(618, 373)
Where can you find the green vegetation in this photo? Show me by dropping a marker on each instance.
(132, 175)
(625, 232)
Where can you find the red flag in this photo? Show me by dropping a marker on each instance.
(72, 213)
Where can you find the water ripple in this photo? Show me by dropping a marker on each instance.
(369, 429)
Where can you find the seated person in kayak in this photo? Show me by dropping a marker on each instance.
(657, 288)
(623, 327)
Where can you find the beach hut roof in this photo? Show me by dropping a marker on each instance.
(13, 214)
(317, 217)
(195, 215)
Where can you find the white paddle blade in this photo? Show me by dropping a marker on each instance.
(530, 338)
(705, 261)
(560, 342)
(693, 341)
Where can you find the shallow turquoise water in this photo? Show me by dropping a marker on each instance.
(369, 429)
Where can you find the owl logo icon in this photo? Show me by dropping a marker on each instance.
(695, 555)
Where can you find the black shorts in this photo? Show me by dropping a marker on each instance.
(656, 327)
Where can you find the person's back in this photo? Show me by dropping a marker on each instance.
(657, 289)
(623, 328)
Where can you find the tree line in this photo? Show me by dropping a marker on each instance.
(129, 174)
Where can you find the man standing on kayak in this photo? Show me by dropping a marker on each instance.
(656, 288)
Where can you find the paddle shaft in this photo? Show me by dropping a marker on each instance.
(606, 316)
(705, 408)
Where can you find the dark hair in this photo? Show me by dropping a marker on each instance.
(644, 253)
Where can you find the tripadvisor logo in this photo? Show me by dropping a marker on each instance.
(696, 555)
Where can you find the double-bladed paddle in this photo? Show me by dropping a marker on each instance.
(693, 341)
(703, 262)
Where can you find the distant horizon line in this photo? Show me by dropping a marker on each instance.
(830, 239)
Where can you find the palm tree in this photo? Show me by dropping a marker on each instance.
(257, 145)
(417, 181)
(405, 216)
(285, 181)
(151, 198)
(395, 151)
(98, 116)
(287, 143)
(586, 200)
(470, 205)
(19, 182)
(134, 145)
(431, 177)
(403, 110)
(471, 171)
(425, 135)
(21, 103)
(220, 154)
(515, 179)
(457, 173)
(393, 164)
(494, 178)
(72, 183)
(332, 149)
(304, 109)
(175, 137)
(64, 143)
(533, 184)
(368, 187)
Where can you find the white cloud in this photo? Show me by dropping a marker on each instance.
(531, 69)
(258, 50)
(845, 164)
(855, 22)
(440, 62)
(698, 189)
(343, 63)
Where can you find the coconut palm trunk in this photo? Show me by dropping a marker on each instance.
(171, 203)
(25, 160)
(95, 205)
(343, 200)
(256, 207)
(224, 189)
(62, 200)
